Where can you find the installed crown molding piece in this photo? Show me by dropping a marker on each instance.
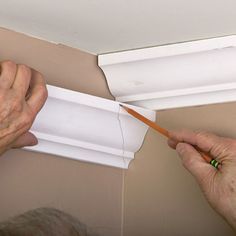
(178, 75)
(88, 128)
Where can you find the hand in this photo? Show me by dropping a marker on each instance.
(22, 94)
(219, 186)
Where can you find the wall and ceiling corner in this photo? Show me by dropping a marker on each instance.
(88, 128)
(179, 75)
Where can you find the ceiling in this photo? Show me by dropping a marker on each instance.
(102, 26)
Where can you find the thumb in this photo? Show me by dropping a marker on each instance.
(26, 139)
(193, 162)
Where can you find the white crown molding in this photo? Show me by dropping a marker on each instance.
(88, 128)
(178, 75)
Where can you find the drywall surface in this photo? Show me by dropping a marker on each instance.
(161, 197)
(106, 26)
(28, 180)
(62, 66)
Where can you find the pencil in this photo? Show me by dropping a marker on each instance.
(146, 121)
(165, 132)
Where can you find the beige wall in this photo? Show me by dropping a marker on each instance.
(62, 66)
(91, 192)
(160, 197)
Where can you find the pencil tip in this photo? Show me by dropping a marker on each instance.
(121, 105)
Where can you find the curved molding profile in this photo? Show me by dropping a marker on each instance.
(179, 75)
(88, 128)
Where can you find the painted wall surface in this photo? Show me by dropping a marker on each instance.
(161, 198)
(28, 180)
(62, 66)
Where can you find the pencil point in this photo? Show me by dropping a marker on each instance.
(121, 105)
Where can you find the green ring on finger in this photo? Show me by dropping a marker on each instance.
(214, 163)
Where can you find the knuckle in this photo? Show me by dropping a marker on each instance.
(181, 134)
(178, 134)
(202, 133)
(27, 119)
(183, 131)
(42, 90)
(25, 70)
(203, 136)
(10, 65)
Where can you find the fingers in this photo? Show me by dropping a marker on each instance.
(26, 139)
(194, 163)
(172, 143)
(25, 95)
(22, 80)
(204, 140)
(15, 76)
(8, 71)
(38, 92)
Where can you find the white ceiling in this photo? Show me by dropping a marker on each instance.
(101, 26)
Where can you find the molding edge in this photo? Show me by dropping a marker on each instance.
(88, 128)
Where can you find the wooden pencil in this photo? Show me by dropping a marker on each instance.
(146, 121)
(166, 133)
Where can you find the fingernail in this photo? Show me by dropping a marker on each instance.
(34, 142)
(180, 148)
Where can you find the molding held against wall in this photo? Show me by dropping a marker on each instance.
(178, 75)
(88, 128)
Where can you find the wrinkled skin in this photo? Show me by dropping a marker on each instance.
(218, 186)
(22, 94)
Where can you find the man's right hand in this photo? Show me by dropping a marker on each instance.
(218, 186)
(22, 94)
